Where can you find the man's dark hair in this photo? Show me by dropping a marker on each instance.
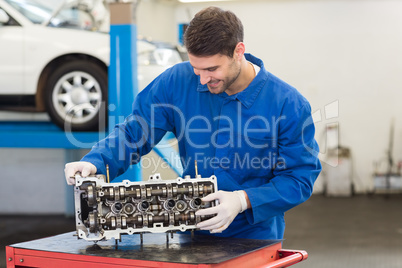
(213, 31)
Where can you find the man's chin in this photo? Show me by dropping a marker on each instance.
(217, 90)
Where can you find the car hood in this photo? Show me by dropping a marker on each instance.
(51, 41)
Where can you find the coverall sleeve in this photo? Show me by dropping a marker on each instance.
(295, 175)
(136, 136)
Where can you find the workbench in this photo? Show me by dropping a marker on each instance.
(155, 250)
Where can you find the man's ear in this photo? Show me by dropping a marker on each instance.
(239, 51)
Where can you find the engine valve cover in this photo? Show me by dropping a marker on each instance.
(108, 210)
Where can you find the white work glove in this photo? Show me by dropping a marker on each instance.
(85, 168)
(230, 204)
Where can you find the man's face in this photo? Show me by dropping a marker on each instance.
(219, 72)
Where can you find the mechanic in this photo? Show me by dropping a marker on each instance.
(237, 120)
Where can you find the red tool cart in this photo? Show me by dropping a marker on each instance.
(155, 250)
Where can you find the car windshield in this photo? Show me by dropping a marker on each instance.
(70, 14)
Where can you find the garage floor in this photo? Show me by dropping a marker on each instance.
(362, 231)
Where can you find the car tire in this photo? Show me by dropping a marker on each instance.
(76, 96)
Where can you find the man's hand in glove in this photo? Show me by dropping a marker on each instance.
(230, 204)
(85, 168)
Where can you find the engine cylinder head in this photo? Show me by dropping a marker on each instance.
(107, 210)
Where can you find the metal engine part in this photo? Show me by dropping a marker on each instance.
(108, 210)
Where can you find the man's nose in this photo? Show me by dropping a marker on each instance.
(204, 77)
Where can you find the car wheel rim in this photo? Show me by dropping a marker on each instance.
(77, 97)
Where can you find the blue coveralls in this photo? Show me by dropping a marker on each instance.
(260, 140)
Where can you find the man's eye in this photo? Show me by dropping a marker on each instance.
(211, 69)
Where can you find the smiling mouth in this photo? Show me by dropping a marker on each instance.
(214, 84)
